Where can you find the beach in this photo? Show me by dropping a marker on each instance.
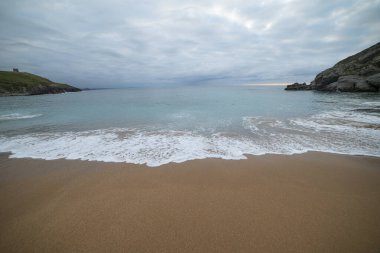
(190, 126)
(312, 202)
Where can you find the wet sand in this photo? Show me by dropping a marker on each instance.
(313, 202)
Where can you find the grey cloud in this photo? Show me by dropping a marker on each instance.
(121, 43)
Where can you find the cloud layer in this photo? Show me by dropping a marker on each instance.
(119, 43)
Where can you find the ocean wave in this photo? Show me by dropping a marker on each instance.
(155, 148)
(340, 122)
(372, 103)
(124, 145)
(263, 124)
(16, 116)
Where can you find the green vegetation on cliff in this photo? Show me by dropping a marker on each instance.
(22, 84)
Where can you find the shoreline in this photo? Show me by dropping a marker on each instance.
(311, 202)
(247, 156)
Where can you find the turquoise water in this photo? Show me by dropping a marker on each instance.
(161, 125)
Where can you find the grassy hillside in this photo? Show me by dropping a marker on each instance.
(22, 83)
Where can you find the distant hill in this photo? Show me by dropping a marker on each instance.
(359, 72)
(25, 84)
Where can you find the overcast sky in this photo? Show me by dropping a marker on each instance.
(118, 43)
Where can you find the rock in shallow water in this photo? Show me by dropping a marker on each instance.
(298, 86)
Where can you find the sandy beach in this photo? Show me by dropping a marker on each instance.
(314, 202)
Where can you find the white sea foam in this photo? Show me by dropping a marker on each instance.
(341, 122)
(155, 148)
(373, 103)
(16, 116)
(124, 145)
(345, 131)
(250, 124)
(263, 124)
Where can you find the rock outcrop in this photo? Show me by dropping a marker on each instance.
(25, 84)
(298, 86)
(357, 73)
(374, 80)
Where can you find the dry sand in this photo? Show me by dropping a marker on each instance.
(313, 202)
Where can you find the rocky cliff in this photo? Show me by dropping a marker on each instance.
(24, 84)
(359, 72)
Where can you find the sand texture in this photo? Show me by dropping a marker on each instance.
(313, 202)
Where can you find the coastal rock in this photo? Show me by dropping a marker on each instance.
(357, 73)
(330, 87)
(348, 84)
(298, 86)
(353, 83)
(374, 80)
(326, 77)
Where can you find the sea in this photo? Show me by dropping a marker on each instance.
(156, 126)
